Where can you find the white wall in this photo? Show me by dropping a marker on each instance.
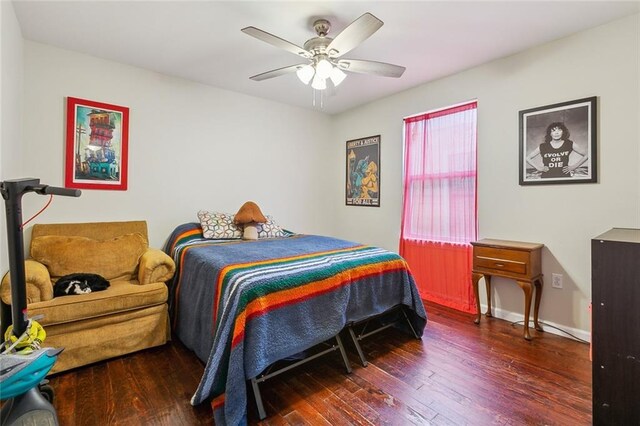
(11, 70)
(191, 147)
(602, 62)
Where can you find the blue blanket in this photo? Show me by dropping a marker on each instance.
(242, 305)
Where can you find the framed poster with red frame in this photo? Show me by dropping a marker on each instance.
(97, 145)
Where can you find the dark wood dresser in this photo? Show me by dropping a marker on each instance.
(615, 335)
(509, 259)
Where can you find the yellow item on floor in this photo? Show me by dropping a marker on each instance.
(29, 341)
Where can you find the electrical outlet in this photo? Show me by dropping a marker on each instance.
(556, 280)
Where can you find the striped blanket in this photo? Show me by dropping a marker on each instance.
(243, 305)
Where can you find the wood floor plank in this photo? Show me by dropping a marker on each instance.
(458, 374)
(318, 397)
(390, 411)
(301, 403)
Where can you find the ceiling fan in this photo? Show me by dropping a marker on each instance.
(324, 54)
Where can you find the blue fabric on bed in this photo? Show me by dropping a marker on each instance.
(283, 330)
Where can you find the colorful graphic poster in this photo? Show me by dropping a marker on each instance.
(363, 172)
(96, 145)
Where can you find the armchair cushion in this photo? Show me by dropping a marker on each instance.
(120, 297)
(114, 259)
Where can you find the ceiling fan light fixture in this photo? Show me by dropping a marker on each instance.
(305, 73)
(323, 69)
(319, 83)
(337, 76)
(325, 54)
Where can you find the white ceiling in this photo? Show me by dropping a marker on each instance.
(202, 41)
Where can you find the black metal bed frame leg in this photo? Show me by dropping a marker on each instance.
(409, 322)
(256, 394)
(357, 339)
(343, 353)
(357, 345)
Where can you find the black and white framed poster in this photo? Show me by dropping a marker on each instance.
(363, 172)
(558, 143)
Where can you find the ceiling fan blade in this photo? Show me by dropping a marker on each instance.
(276, 73)
(276, 41)
(357, 32)
(371, 67)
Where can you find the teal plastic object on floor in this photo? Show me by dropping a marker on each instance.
(19, 373)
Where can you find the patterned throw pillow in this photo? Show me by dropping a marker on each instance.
(218, 225)
(271, 229)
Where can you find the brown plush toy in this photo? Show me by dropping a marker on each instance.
(249, 215)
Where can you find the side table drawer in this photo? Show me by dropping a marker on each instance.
(501, 264)
(501, 259)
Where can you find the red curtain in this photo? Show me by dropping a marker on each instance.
(439, 217)
(442, 272)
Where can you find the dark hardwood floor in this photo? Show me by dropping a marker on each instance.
(458, 374)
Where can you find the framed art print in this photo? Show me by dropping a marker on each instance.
(362, 186)
(558, 143)
(97, 145)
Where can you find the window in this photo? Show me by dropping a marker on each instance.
(440, 175)
(439, 211)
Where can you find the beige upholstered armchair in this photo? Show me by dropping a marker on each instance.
(128, 316)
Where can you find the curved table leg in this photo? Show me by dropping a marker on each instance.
(527, 287)
(474, 280)
(536, 307)
(487, 281)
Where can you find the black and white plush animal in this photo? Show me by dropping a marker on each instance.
(79, 284)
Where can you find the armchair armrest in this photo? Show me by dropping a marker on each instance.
(155, 266)
(38, 280)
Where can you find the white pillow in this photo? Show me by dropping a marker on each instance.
(270, 229)
(218, 226)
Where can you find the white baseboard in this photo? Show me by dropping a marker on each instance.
(515, 316)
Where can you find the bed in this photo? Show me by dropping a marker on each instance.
(243, 305)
